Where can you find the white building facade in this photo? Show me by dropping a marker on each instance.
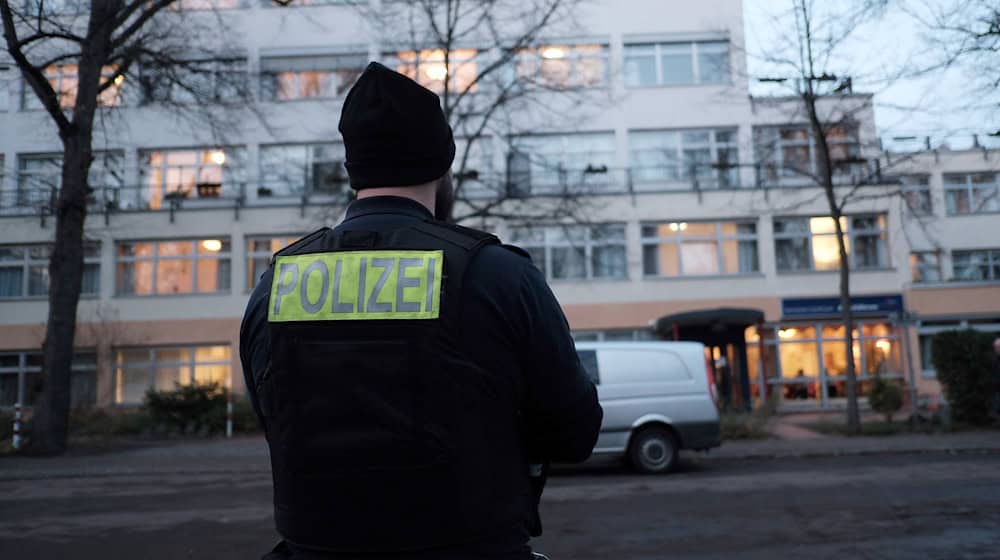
(701, 209)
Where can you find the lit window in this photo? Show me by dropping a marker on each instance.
(307, 77)
(63, 79)
(564, 66)
(156, 268)
(260, 249)
(24, 270)
(981, 265)
(138, 370)
(21, 378)
(786, 156)
(561, 163)
(187, 175)
(429, 69)
(811, 243)
(925, 267)
(653, 64)
(972, 193)
(299, 169)
(196, 81)
(567, 252)
(699, 249)
(669, 158)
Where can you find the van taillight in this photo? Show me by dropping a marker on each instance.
(710, 374)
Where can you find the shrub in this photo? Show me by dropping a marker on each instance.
(749, 425)
(886, 397)
(188, 409)
(962, 360)
(101, 422)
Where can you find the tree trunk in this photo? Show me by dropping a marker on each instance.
(51, 419)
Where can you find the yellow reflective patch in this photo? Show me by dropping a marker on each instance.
(356, 285)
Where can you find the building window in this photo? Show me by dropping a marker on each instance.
(260, 249)
(64, 81)
(811, 243)
(981, 265)
(24, 270)
(39, 177)
(6, 79)
(308, 77)
(197, 174)
(916, 191)
(575, 251)
(298, 3)
(298, 169)
(157, 268)
(708, 157)
(138, 370)
(196, 81)
(699, 249)
(925, 267)
(561, 163)
(21, 378)
(972, 193)
(564, 66)
(654, 64)
(428, 68)
(787, 155)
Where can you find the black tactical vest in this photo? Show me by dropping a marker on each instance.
(382, 431)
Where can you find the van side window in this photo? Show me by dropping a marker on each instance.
(589, 360)
(645, 366)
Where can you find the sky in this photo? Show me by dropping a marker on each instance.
(935, 104)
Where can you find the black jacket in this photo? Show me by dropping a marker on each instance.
(515, 325)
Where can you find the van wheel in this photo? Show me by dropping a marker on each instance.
(653, 451)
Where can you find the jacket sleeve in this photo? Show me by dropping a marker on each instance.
(561, 414)
(255, 342)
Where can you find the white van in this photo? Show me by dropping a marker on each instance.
(658, 398)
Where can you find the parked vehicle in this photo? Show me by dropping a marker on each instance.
(658, 398)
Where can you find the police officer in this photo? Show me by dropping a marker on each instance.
(407, 371)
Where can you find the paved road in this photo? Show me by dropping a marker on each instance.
(878, 507)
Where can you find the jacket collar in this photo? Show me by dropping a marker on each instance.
(396, 205)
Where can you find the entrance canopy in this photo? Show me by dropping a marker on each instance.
(711, 326)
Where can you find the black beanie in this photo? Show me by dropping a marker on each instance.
(394, 130)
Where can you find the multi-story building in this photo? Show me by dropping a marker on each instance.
(702, 226)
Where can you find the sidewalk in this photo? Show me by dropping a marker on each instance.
(248, 454)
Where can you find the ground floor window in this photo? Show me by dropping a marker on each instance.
(21, 378)
(615, 335)
(165, 368)
(808, 361)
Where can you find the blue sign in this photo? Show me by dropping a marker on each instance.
(827, 307)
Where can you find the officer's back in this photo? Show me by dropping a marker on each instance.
(406, 371)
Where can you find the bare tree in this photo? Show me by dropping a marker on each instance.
(106, 45)
(806, 63)
(964, 34)
(499, 68)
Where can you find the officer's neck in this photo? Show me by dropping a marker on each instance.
(423, 194)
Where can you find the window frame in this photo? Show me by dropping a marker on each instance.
(152, 364)
(552, 240)
(545, 164)
(266, 187)
(253, 256)
(918, 266)
(718, 239)
(953, 190)
(657, 49)
(156, 195)
(530, 64)
(992, 263)
(769, 147)
(335, 65)
(916, 191)
(213, 69)
(91, 261)
(678, 140)
(79, 366)
(194, 258)
(851, 235)
(458, 59)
